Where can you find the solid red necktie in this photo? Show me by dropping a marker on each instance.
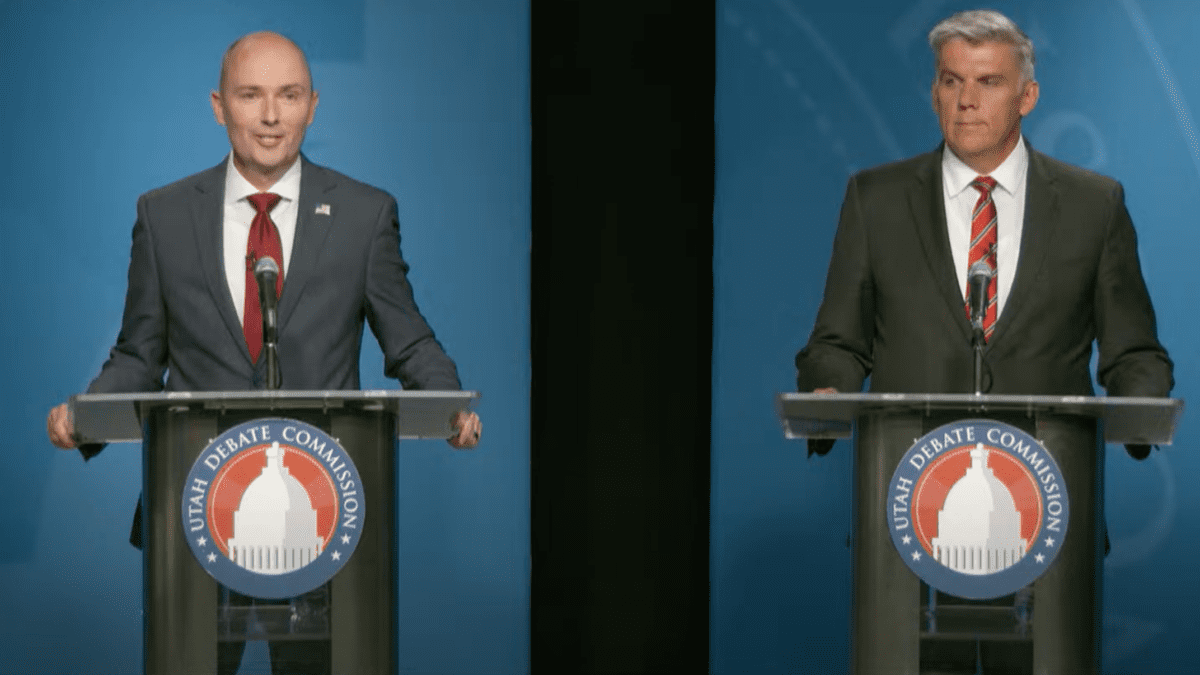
(263, 241)
(983, 247)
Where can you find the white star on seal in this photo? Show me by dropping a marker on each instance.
(336, 555)
(1040, 558)
(906, 540)
(916, 555)
(212, 557)
(202, 541)
(1049, 541)
(345, 539)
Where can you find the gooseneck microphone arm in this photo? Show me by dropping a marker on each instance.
(266, 271)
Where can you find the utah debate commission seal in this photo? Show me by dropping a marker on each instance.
(273, 508)
(977, 509)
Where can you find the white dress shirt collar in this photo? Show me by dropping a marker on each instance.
(1010, 175)
(238, 188)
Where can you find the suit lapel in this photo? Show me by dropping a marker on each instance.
(314, 218)
(1041, 211)
(928, 207)
(208, 216)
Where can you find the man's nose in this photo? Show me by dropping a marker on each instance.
(968, 96)
(270, 110)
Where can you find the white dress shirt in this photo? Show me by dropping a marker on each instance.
(239, 213)
(1009, 198)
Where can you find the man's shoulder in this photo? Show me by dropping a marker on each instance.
(1069, 175)
(918, 167)
(325, 179)
(208, 179)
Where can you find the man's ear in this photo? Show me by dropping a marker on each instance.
(312, 108)
(1029, 97)
(218, 111)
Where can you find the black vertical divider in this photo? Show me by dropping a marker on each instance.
(622, 290)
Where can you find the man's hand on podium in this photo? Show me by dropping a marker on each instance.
(467, 428)
(821, 446)
(60, 428)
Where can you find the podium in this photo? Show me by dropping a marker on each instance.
(895, 616)
(357, 611)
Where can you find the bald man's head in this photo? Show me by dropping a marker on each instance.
(252, 39)
(265, 102)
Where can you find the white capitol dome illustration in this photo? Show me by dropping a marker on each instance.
(275, 525)
(979, 527)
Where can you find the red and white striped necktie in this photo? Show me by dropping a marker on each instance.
(983, 247)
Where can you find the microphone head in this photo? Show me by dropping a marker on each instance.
(266, 264)
(980, 269)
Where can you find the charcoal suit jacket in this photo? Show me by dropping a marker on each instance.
(893, 307)
(345, 268)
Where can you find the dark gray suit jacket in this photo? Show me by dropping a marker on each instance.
(345, 267)
(893, 306)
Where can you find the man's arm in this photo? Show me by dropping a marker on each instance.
(838, 354)
(138, 359)
(411, 353)
(1132, 362)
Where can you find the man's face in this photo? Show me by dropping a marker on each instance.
(980, 100)
(266, 103)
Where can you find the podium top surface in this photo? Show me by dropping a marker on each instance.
(1125, 419)
(117, 418)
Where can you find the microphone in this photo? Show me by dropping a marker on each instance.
(977, 286)
(266, 272)
(978, 277)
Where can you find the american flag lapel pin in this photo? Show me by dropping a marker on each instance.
(322, 209)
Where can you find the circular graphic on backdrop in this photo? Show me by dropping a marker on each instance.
(273, 508)
(978, 509)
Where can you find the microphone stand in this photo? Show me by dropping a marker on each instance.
(271, 354)
(977, 341)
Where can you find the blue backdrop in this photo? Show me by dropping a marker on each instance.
(807, 94)
(104, 100)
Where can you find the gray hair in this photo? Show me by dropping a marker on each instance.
(984, 25)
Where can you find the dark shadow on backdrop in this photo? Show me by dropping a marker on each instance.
(622, 107)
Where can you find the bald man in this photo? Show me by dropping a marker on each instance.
(337, 241)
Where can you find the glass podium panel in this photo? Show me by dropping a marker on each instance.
(1124, 419)
(241, 618)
